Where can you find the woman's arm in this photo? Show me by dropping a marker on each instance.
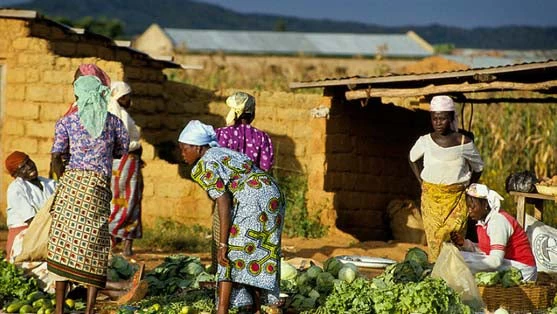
(223, 204)
(57, 165)
(475, 177)
(416, 169)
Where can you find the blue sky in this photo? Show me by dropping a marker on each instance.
(460, 13)
(466, 14)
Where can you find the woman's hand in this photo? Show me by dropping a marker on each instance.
(457, 238)
(222, 256)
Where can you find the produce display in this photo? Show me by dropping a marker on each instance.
(510, 277)
(120, 269)
(175, 288)
(404, 287)
(176, 274)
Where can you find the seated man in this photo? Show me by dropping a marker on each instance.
(26, 194)
(502, 242)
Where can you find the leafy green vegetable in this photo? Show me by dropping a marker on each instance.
(287, 271)
(348, 273)
(14, 284)
(417, 255)
(325, 282)
(332, 266)
(487, 278)
(313, 271)
(350, 298)
(176, 273)
(511, 277)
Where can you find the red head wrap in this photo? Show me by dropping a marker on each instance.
(14, 160)
(91, 69)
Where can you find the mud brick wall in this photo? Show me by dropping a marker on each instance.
(366, 154)
(354, 157)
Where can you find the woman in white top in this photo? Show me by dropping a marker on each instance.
(450, 163)
(127, 180)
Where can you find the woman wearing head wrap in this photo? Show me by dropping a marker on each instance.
(25, 195)
(450, 163)
(502, 242)
(240, 136)
(89, 69)
(79, 241)
(251, 211)
(127, 181)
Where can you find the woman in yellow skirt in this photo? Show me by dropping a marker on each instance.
(450, 162)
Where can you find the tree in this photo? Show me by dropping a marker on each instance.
(280, 25)
(112, 28)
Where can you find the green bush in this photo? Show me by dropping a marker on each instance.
(298, 221)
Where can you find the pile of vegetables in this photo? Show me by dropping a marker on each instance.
(176, 274)
(120, 269)
(404, 287)
(510, 277)
(310, 288)
(14, 284)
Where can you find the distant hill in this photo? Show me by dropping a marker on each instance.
(139, 14)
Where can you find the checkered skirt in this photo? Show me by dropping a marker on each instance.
(79, 242)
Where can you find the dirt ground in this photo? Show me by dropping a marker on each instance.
(335, 244)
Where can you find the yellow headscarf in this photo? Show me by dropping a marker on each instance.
(239, 103)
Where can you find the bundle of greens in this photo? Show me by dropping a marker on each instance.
(175, 274)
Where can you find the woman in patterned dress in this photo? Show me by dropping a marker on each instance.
(79, 239)
(251, 211)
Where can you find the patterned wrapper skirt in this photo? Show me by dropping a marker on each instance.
(127, 190)
(254, 240)
(79, 242)
(443, 211)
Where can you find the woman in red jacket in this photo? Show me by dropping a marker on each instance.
(502, 242)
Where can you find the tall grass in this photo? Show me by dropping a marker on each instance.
(170, 236)
(298, 222)
(516, 137)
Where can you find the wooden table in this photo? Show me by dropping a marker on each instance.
(531, 198)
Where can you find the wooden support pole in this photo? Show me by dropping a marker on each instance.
(449, 88)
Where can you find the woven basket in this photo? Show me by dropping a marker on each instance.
(523, 298)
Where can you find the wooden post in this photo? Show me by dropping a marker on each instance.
(520, 200)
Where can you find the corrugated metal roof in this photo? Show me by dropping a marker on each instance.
(486, 61)
(261, 42)
(422, 79)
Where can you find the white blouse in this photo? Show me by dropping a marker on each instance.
(129, 123)
(25, 199)
(446, 165)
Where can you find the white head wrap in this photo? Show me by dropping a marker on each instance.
(197, 133)
(119, 89)
(482, 191)
(444, 103)
(239, 103)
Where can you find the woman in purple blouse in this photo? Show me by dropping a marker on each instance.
(240, 136)
(79, 242)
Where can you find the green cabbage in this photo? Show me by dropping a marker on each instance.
(313, 271)
(193, 269)
(303, 280)
(287, 271)
(487, 278)
(417, 255)
(348, 273)
(511, 277)
(325, 282)
(332, 265)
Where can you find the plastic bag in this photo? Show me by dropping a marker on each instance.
(524, 181)
(35, 240)
(450, 266)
